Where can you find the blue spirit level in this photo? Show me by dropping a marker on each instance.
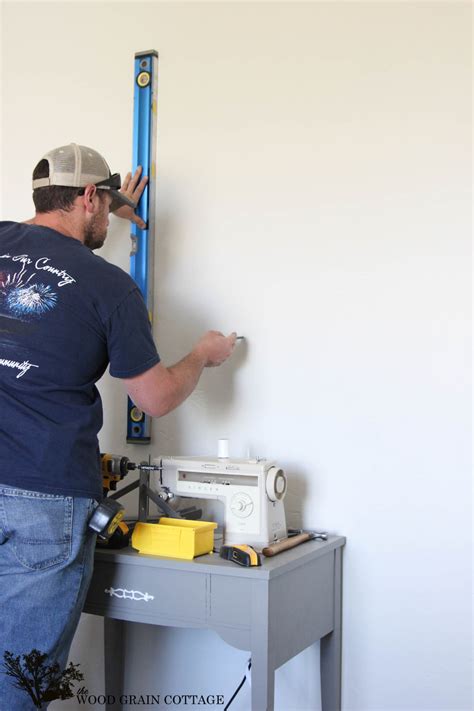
(142, 253)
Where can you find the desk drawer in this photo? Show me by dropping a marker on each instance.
(146, 594)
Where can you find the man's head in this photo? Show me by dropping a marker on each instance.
(75, 184)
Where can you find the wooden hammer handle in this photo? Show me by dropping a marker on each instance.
(285, 544)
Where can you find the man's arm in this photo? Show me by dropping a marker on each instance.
(159, 390)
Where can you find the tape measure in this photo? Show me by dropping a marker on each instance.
(241, 554)
(106, 518)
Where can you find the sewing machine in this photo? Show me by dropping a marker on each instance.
(251, 490)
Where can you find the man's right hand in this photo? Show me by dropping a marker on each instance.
(159, 390)
(214, 348)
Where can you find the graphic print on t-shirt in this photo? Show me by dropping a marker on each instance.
(23, 293)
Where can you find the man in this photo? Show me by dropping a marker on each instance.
(65, 315)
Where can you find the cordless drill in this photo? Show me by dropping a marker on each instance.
(114, 468)
(106, 520)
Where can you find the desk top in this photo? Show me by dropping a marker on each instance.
(214, 564)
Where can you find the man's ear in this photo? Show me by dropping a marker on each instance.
(90, 191)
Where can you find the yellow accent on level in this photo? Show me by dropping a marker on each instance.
(136, 415)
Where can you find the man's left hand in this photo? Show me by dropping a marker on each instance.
(133, 188)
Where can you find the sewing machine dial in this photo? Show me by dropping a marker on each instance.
(241, 505)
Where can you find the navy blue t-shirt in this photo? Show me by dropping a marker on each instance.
(65, 314)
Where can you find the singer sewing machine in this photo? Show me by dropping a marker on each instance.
(251, 490)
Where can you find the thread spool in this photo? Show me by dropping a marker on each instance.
(223, 449)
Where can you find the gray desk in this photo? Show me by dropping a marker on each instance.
(274, 611)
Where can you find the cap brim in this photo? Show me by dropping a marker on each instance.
(119, 199)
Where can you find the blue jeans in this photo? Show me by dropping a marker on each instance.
(46, 562)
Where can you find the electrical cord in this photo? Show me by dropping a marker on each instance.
(249, 664)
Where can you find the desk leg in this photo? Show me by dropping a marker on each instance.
(331, 648)
(114, 652)
(263, 671)
(263, 683)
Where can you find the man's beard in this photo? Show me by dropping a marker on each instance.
(94, 237)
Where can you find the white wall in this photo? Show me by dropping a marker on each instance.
(313, 194)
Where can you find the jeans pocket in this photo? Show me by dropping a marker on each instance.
(38, 526)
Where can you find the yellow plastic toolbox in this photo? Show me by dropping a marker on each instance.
(174, 538)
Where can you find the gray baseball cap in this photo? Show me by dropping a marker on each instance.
(75, 166)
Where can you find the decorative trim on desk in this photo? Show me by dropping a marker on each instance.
(129, 594)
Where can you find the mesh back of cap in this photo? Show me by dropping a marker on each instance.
(63, 160)
(93, 163)
(76, 166)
